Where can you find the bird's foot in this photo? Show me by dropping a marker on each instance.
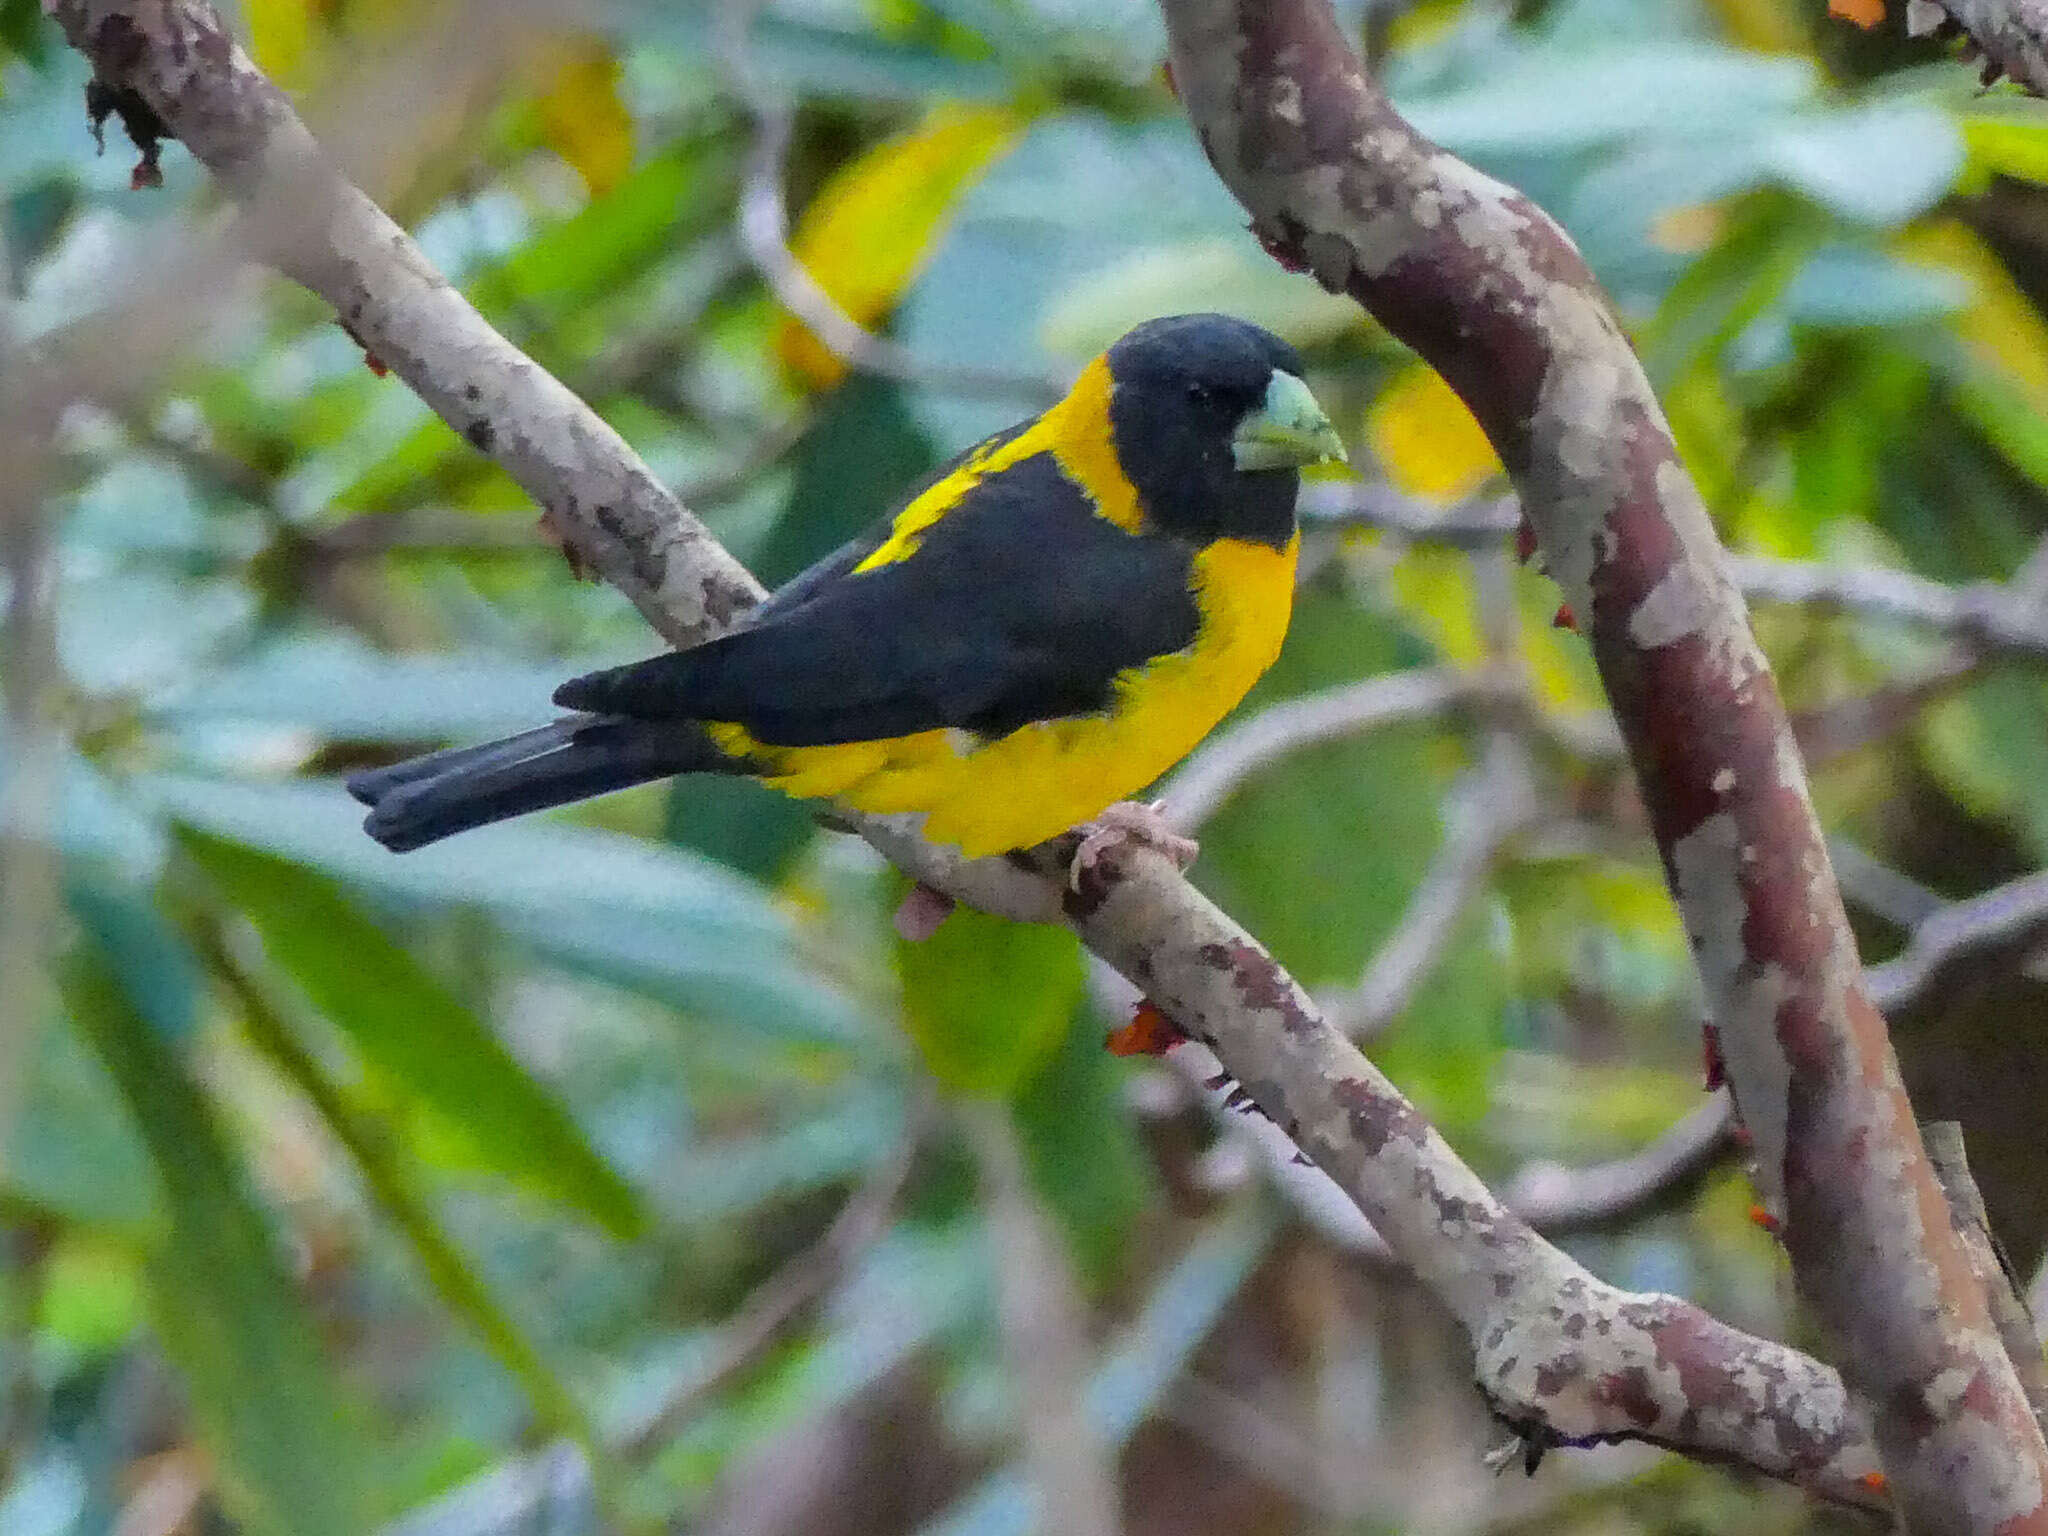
(921, 911)
(1129, 821)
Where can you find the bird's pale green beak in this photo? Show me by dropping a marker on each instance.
(1287, 431)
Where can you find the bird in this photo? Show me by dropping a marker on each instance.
(1036, 633)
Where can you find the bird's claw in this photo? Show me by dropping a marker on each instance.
(1129, 821)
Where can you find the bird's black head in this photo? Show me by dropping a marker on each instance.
(1212, 423)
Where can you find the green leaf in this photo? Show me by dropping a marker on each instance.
(527, 869)
(1881, 163)
(341, 687)
(832, 62)
(410, 1029)
(148, 958)
(394, 1185)
(1317, 854)
(660, 920)
(1986, 747)
(1084, 1153)
(1847, 285)
(73, 1152)
(1555, 101)
(1732, 285)
(988, 1000)
(226, 1312)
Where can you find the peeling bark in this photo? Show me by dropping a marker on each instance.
(1494, 295)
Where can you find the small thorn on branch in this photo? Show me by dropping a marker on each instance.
(145, 130)
(371, 360)
(1528, 1441)
(1280, 246)
(552, 532)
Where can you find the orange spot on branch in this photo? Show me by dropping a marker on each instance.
(1866, 14)
(1150, 1033)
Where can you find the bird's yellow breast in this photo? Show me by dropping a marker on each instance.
(1039, 780)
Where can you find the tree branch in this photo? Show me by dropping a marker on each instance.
(1988, 1258)
(2012, 35)
(1562, 1355)
(1491, 292)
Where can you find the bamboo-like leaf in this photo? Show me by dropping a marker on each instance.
(988, 1001)
(413, 1031)
(290, 1444)
(394, 1185)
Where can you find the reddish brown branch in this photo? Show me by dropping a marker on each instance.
(1491, 292)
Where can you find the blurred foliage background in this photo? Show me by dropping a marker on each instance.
(621, 1171)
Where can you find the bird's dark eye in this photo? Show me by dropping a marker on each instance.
(1198, 393)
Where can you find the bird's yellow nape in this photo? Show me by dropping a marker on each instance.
(1288, 431)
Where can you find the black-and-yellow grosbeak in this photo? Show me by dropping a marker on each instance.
(1041, 630)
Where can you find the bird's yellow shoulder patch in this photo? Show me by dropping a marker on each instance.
(1076, 432)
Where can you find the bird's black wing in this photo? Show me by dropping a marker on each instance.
(822, 573)
(1019, 604)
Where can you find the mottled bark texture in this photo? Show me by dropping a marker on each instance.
(1491, 292)
(2012, 35)
(1562, 1355)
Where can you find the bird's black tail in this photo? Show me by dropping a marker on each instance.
(425, 799)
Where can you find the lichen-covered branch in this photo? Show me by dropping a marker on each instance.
(1492, 293)
(1563, 1356)
(2011, 36)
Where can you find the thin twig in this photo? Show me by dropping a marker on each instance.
(2001, 928)
(1214, 772)
(24, 1253)
(1997, 617)
(1557, 1199)
(1045, 1334)
(781, 1301)
(764, 234)
(1485, 811)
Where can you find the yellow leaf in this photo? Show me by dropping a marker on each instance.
(2001, 329)
(1433, 589)
(281, 39)
(1865, 13)
(582, 118)
(869, 230)
(1688, 230)
(2007, 146)
(1426, 441)
(1769, 26)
